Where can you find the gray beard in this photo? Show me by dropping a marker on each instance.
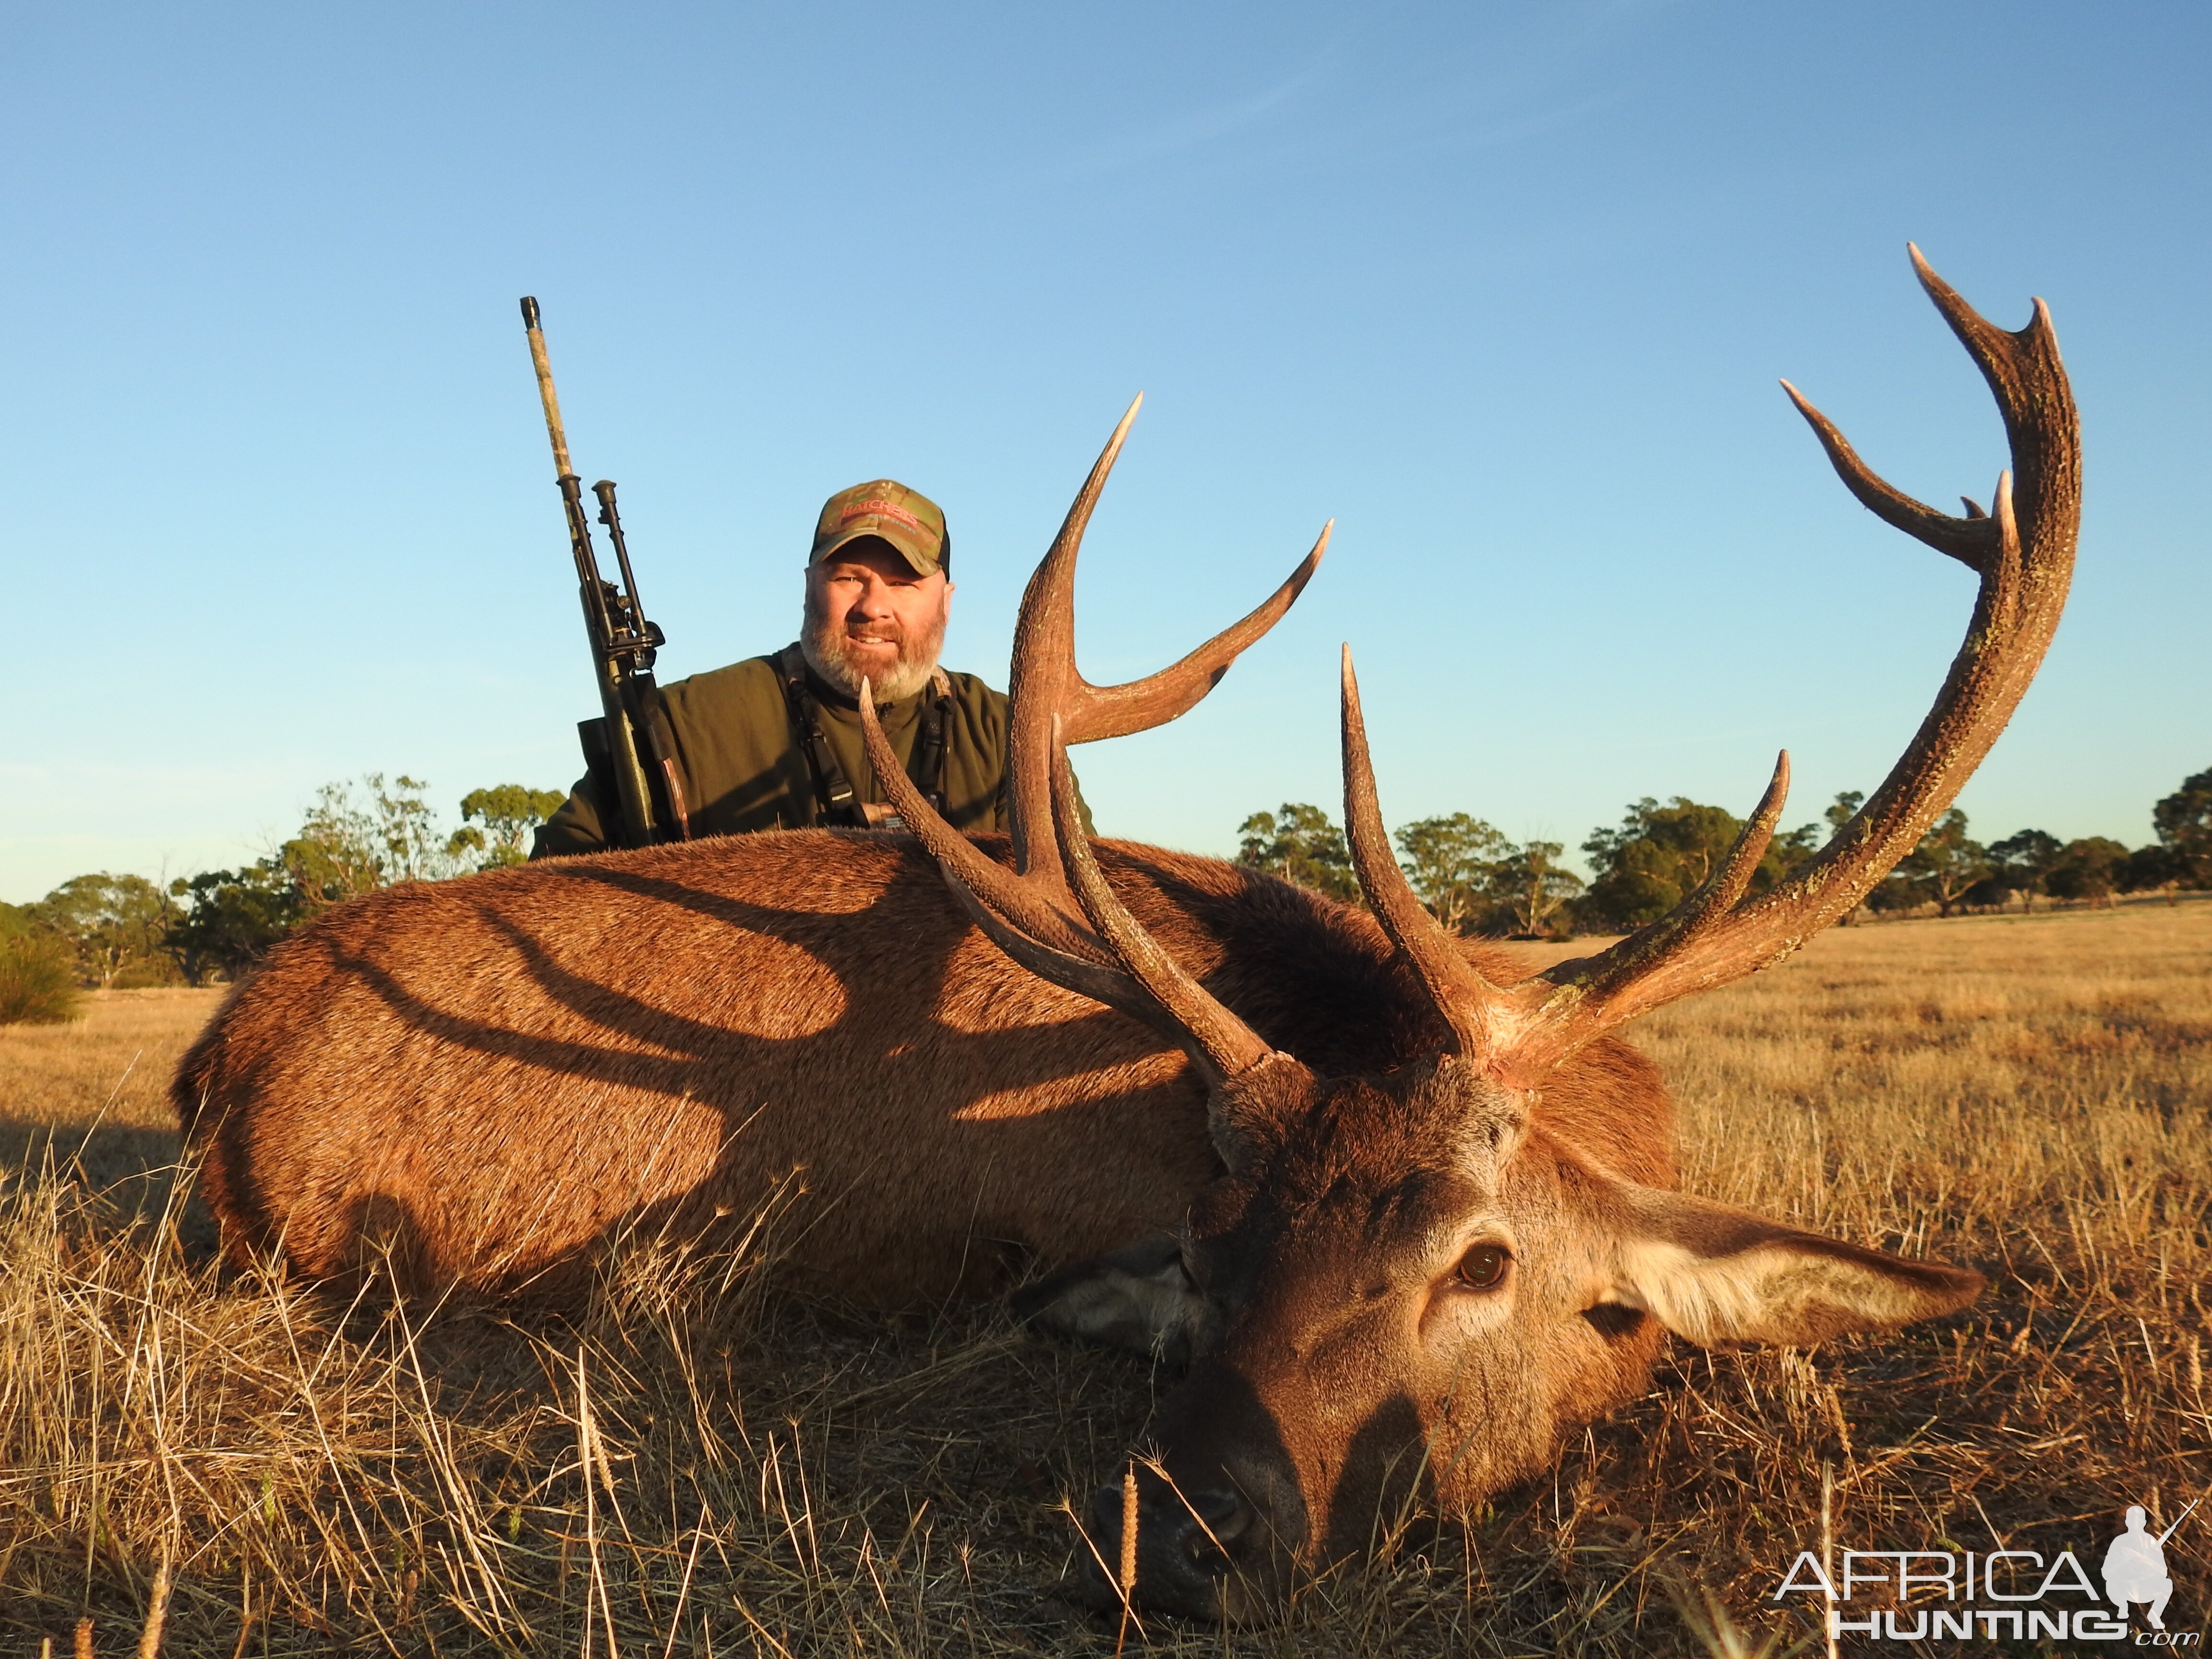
(829, 656)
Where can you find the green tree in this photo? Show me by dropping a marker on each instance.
(407, 829)
(231, 917)
(113, 925)
(1300, 844)
(1946, 865)
(2152, 868)
(1843, 809)
(1656, 858)
(2087, 870)
(334, 854)
(1475, 881)
(1451, 862)
(496, 823)
(1530, 888)
(2183, 823)
(348, 846)
(2022, 863)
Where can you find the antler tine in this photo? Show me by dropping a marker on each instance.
(1117, 711)
(1653, 958)
(1967, 539)
(1212, 1034)
(1120, 965)
(1045, 683)
(2028, 380)
(1468, 1003)
(1025, 905)
(2024, 556)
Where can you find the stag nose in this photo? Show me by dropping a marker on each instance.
(1186, 1538)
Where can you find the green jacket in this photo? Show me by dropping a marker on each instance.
(743, 768)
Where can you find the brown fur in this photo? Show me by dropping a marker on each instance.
(490, 1078)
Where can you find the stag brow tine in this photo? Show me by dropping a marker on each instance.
(1461, 996)
(1023, 904)
(1116, 711)
(1012, 913)
(1228, 1045)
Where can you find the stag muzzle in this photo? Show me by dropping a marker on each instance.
(1205, 1547)
(1221, 1520)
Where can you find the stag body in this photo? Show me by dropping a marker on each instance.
(485, 1080)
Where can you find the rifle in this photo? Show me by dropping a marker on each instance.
(2178, 1520)
(632, 740)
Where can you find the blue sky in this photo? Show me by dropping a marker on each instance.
(1505, 289)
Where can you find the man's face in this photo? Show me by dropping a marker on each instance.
(869, 617)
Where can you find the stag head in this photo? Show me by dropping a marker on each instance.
(1404, 1287)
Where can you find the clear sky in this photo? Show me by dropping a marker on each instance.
(1503, 288)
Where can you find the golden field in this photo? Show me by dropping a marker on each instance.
(690, 1469)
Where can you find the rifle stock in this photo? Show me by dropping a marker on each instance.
(631, 740)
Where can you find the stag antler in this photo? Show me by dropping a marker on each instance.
(1046, 685)
(2024, 554)
(1053, 912)
(1113, 960)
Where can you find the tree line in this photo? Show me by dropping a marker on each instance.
(107, 932)
(1477, 880)
(118, 932)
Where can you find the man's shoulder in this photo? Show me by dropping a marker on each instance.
(755, 680)
(971, 691)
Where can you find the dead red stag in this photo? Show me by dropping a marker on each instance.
(1407, 1216)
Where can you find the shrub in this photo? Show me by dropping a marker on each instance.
(38, 983)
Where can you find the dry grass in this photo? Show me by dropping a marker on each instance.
(690, 1469)
(100, 1086)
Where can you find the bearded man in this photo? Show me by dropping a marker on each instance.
(773, 743)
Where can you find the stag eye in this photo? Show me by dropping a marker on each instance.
(1483, 1267)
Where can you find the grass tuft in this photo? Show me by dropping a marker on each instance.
(38, 983)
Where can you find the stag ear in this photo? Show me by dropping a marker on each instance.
(1718, 1276)
(1138, 1297)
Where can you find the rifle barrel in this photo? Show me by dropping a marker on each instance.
(546, 395)
(2178, 1520)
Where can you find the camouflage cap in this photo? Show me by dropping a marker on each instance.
(905, 518)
